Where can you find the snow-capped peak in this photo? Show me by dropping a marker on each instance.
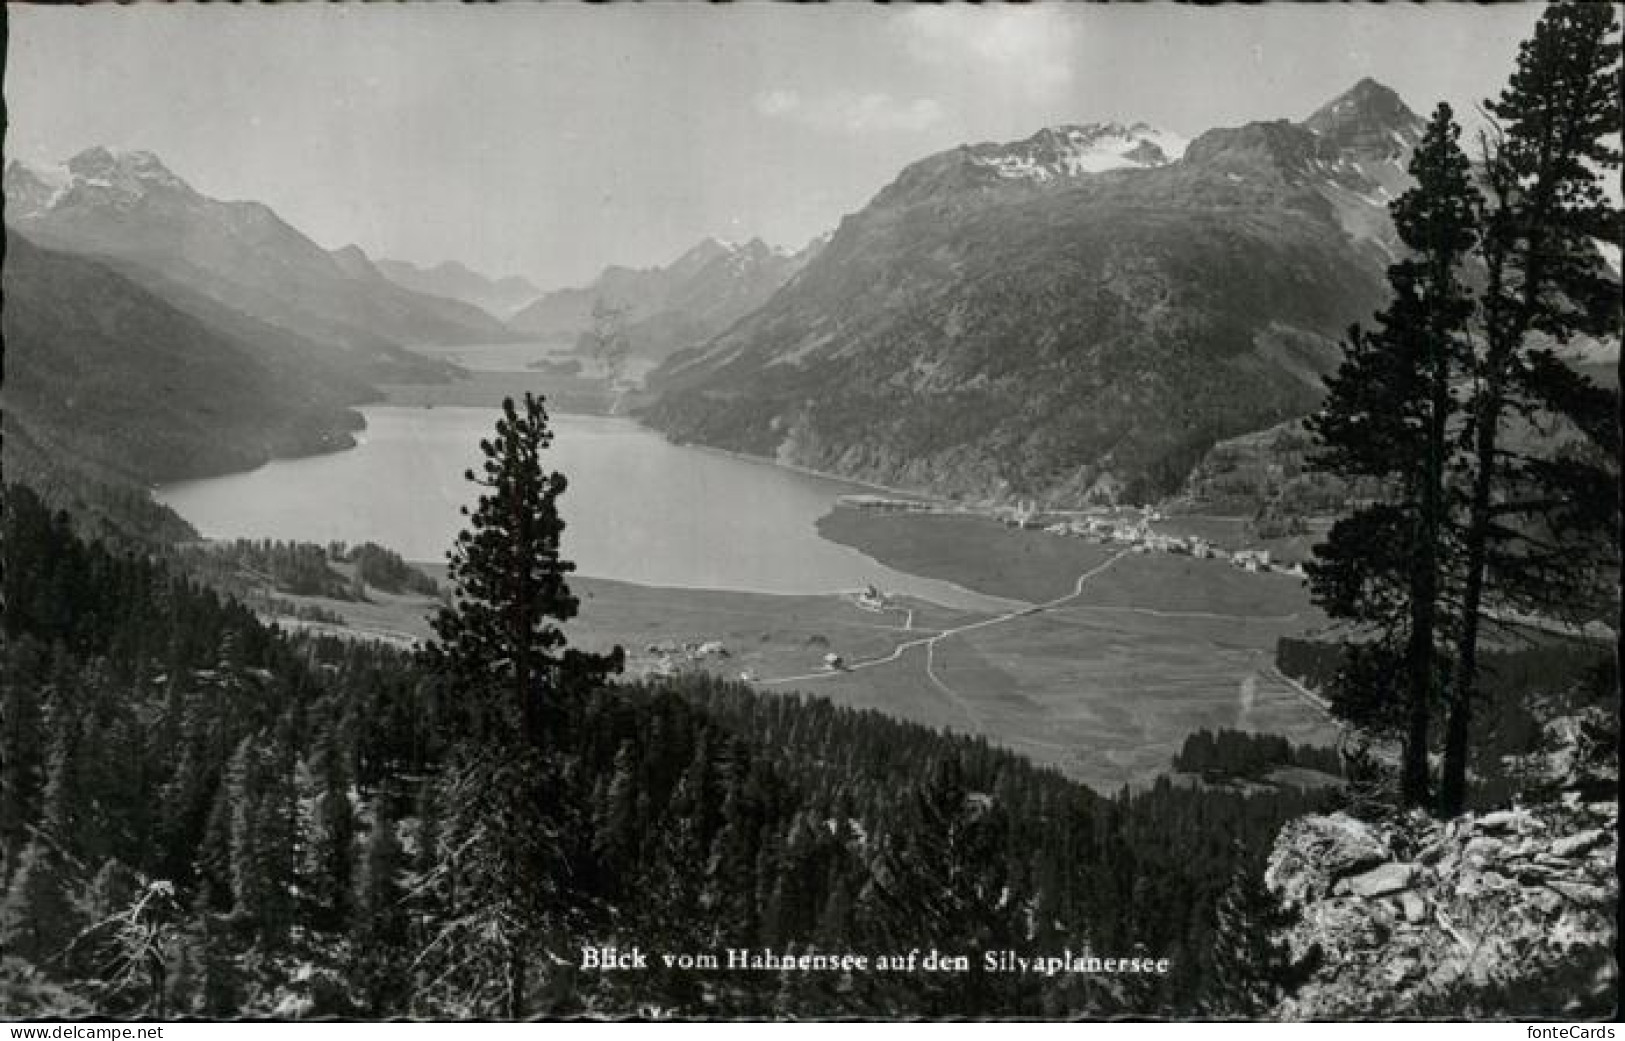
(31, 190)
(95, 177)
(56, 175)
(1076, 149)
(130, 171)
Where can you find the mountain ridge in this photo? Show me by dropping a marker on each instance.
(107, 376)
(988, 336)
(127, 207)
(666, 308)
(501, 296)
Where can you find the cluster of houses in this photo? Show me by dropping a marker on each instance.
(671, 657)
(1124, 526)
(871, 599)
(890, 504)
(1136, 533)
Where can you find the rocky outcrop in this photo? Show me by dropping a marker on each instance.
(1509, 913)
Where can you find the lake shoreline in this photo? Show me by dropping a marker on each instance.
(1097, 666)
(640, 508)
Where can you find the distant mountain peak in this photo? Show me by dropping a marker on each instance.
(238, 255)
(1052, 157)
(456, 280)
(32, 190)
(703, 252)
(1072, 149)
(354, 262)
(1368, 118)
(97, 173)
(130, 171)
(1255, 146)
(682, 304)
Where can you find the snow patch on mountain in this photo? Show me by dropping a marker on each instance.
(32, 191)
(132, 172)
(1075, 150)
(55, 177)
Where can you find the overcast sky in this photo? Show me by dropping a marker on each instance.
(552, 140)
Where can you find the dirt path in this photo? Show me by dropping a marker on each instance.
(930, 642)
(1211, 615)
(1320, 703)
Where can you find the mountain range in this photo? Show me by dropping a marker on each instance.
(128, 210)
(112, 381)
(665, 309)
(456, 281)
(1078, 314)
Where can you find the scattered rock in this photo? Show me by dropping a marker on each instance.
(1401, 969)
(1426, 913)
(1382, 880)
(1506, 820)
(1582, 893)
(1534, 874)
(1578, 843)
(1543, 901)
(1312, 853)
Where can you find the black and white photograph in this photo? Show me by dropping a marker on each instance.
(811, 512)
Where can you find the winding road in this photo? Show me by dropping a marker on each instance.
(929, 642)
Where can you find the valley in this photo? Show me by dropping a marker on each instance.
(712, 414)
(1088, 658)
(1103, 686)
(722, 417)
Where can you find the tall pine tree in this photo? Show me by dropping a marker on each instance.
(512, 821)
(1558, 125)
(1388, 415)
(500, 641)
